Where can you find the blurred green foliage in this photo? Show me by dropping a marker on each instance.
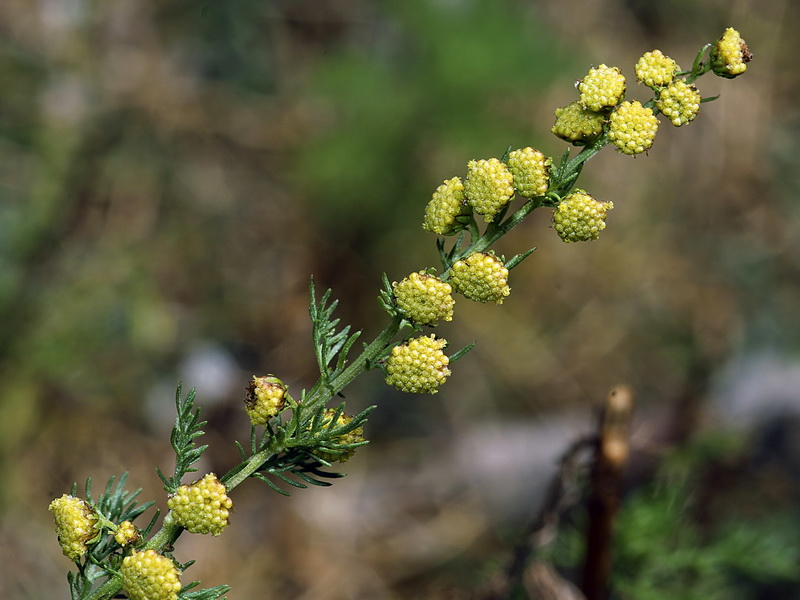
(694, 533)
(172, 173)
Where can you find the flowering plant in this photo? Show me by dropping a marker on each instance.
(293, 442)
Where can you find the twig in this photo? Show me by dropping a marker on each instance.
(562, 494)
(606, 490)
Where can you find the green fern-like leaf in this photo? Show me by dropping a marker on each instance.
(187, 428)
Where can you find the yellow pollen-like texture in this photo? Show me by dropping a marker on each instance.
(447, 204)
(424, 299)
(577, 124)
(730, 55)
(265, 398)
(632, 127)
(419, 366)
(201, 507)
(127, 534)
(580, 218)
(481, 277)
(602, 88)
(679, 102)
(75, 525)
(149, 575)
(531, 172)
(489, 187)
(655, 69)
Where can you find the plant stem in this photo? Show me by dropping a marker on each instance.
(363, 362)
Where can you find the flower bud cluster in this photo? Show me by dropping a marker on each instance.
(580, 218)
(655, 69)
(127, 534)
(424, 299)
(632, 127)
(419, 366)
(679, 102)
(202, 506)
(530, 170)
(730, 55)
(353, 436)
(265, 398)
(149, 575)
(446, 206)
(489, 187)
(76, 525)
(602, 88)
(577, 124)
(481, 277)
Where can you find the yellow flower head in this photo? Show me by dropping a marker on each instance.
(265, 398)
(632, 127)
(489, 187)
(730, 55)
(602, 88)
(76, 525)
(419, 366)
(202, 506)
(424, 299)
(149, 575)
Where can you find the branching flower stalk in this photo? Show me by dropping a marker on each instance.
(293, 442)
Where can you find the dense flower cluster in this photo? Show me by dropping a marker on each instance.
(202, 506)
(127, 534)
(730, 55)
(149, 575)
(580, 218)
(679, 102)
(489, 187)
(419, 366)
(655, 69)
(576, 124)
(424, 299)
(632, 127)
(481, 277)
(602, 88)
(447, 204)
(265, 398)
(354, 436)
(531, 172)
(76, 525)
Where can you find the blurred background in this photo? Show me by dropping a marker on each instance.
(172, 174)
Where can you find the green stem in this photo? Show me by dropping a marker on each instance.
(320, 395)
(362, 363)
(108, 590)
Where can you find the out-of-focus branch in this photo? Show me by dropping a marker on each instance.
(606, 490)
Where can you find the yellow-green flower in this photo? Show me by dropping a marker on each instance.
(602, 88)
(576, 124)
(481, 277)
(730, 55)
(127, 534)
(424, 299)
(580, 218)
(445, 207)
(149, 575)
(655, 69)
(76, 525)
(265, 398)
(489, 187)
(632, 127)
(531, 171)
(354, 436)
(679, 102)
(419, 366)
(202, 506)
